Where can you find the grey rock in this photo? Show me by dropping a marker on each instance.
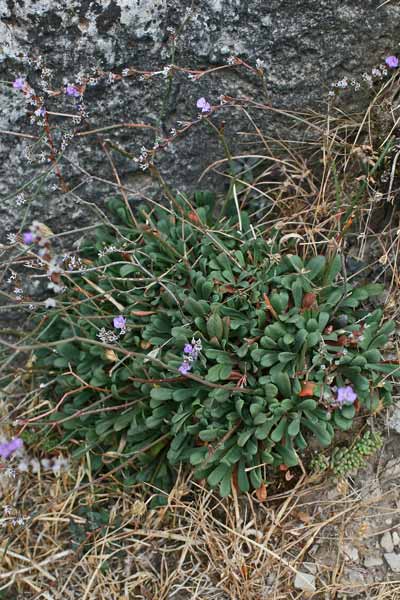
(396, 538)
(305, 582)
(393, 561)
(357, 579)
(394, 421)
(350, 552)
(387, 542)
(306, 46)
(373, 561)
(391, 470)
(311, 567)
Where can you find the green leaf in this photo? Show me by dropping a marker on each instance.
(334, 267)
(219, 372)
(225, 485)
(244, 436)
(297, 293)
(159, 393)
(315, 266)
(127, 270)
(218, 474)
(242, 479)
(215, 326)
(348, 411)
(282, 381)
(194, 308)
(343, 423)
(69, 351)
(279, 431)
(294, 426)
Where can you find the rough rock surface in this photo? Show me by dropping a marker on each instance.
(305, 45)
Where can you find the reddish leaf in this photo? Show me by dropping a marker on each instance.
(194, 217)
(303, 516)
(261, 492)
(309, 300)
(145, 345)
(269, 306)
(307, 389)
(235, 480)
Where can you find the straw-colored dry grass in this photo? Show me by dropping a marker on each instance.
(199, 547)
(196, 547)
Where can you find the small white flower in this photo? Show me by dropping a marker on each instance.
(7, 509)
(23, 466)
(12, 238)
(50, 303)
(35, 464)
(20, 199)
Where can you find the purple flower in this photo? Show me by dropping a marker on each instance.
(40, 112)
(204, 105)
(392, 61)
(184, 368)
(71, 90)
(188, 349)
(8, 448)
(28, 237)
(119, 322)
(19, 83)
(346, 395)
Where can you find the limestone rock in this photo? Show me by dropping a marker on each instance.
(393, 561)
(305, 582)
(350, 552)
(387, 542)
(373, 561)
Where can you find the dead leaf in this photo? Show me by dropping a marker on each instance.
(194, 218)
(309, 300)
(288, 475)
(142, 313)
(303, 516)
(307, 389)
(110, 355)
(235, 484)
(269, 306)
(261, 492)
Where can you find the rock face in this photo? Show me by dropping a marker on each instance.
(305, 45)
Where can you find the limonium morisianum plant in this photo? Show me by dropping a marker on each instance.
(187, 340)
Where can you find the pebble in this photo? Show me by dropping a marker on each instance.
(391, 470)
(394, 421)
(387, 542)
(312, 567)
(350, 552)
(304, 582)
(393, 561)
(373, 561)
(396, 538)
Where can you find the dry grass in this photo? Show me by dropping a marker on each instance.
(196, 547)
(199, 547)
